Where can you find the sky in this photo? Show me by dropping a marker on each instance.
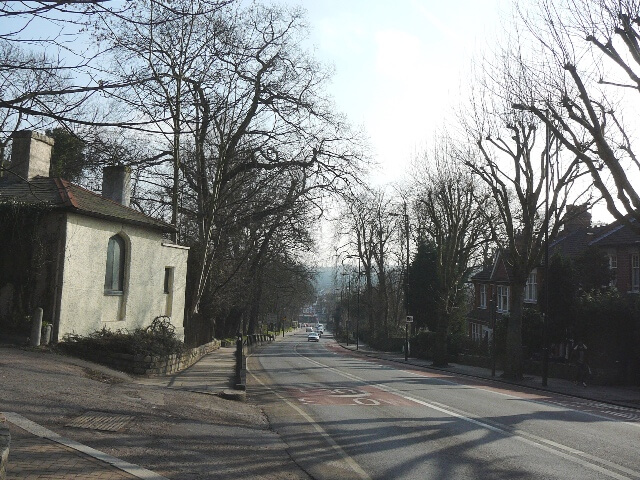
(401, 66)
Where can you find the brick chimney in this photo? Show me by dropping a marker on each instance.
(30, 155)
(116, 184)
(576, 218)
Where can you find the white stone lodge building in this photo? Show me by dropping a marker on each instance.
(94, 261)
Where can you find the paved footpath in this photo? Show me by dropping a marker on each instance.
(38, 453)
(33, 457)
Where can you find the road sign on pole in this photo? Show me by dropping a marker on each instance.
(409, 318)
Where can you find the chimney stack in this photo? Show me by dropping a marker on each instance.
(577, 217)
(116, 184)
(30, 155)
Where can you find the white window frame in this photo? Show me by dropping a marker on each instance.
(613, 268)
(483, 295)
(635, 272)
(502, 299)
(531, 288)
(476, 332)
(116, 263)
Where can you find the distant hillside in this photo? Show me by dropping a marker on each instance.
(324, 279)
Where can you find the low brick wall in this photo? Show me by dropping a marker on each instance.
(565, 371)
(5, 442)
(155, 365)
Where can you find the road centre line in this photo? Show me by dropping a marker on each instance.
(328, 438)
(566, 452)
(42, 432)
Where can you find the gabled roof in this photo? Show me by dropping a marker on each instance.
(494, 272)
(483, 275)
(574, 242)
(617, 233)
(63, 195)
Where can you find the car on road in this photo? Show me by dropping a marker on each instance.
(313, 337)
(320, 331)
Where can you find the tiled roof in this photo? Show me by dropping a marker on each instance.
(483, 275)
(573, 243)
(61, 194)
(618, 233)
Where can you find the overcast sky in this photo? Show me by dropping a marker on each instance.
(400, 65)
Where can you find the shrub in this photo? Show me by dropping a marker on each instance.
(157, 339)
(391, 344)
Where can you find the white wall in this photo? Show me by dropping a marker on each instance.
(84, 307)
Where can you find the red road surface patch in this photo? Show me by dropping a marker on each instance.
(345, 396)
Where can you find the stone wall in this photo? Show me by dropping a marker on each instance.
(156, 365)
(5, 440)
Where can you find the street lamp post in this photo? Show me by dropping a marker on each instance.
(406, 286)
(358, 302)
(348, 305)
(545, 317)
(406, 280)
(492, 314)
(358, 311)
(336, 322)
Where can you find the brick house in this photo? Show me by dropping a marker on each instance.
(619, 241)
(492, 289)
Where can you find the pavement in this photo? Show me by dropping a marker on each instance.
(37, 453)
(623, 396)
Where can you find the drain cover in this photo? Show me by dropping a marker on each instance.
(109, 422)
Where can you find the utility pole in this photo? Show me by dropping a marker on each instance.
(406, 285)
(348, 305)
(406, 281)
(358, 311)
(547, 277)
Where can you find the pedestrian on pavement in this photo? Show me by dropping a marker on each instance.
(580, 357)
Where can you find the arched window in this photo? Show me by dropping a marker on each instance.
(114, 277)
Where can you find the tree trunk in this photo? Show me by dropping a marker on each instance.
(440, 354)
(514, 361)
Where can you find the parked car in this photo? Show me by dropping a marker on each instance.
(313, 337)
(309, 329)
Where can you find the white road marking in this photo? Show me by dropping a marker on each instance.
(40, 431)
(624, 418)
(329, 439)
(566, 452)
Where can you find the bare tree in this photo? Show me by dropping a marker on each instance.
(518, 171)
(169, 55)
(239, 104)
(453, 210)
(589, 89)
(51, 71)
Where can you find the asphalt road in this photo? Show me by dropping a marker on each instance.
(349, 417)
